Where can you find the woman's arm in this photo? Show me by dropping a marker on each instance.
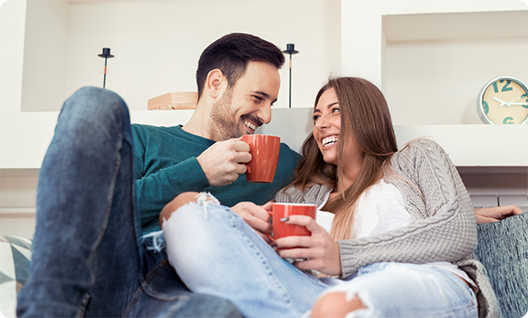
(444, 227)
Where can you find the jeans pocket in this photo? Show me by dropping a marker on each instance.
(164, 284)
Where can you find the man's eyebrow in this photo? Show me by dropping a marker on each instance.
(266, 95)
(261, 93)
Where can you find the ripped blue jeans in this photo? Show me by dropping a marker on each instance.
(215, 252)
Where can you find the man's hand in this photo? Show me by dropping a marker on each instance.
(224, 161)
(487, 215)
(256, 216)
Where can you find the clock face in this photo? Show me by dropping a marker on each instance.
(504, 100)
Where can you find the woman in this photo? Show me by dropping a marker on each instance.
(399, 244)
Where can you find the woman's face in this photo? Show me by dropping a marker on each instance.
(327, 128)
(327, 125)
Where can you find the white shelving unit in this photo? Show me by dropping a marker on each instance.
(414, 50)
(431, 59)
(434, 65)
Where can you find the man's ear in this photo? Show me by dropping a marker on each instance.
(215, 83)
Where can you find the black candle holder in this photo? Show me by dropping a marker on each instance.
(290, 49)
(106, 54)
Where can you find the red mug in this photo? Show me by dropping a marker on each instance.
(282, 210)
(264, 150)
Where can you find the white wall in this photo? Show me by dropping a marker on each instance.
(45, 40)
(442, 70)
(453, 84)
(363, 39)
(157, 45)
(148, 64)
(135, 29)
(431, 59)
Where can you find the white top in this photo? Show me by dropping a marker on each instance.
(381, 209)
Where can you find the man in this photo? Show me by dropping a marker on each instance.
(236, 88)
(101, 180)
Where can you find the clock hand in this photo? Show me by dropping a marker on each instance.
(515, 99)
(502, 103)
(523, 104)
(510, 102)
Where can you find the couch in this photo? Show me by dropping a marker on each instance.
(15, 258)
(502, 248)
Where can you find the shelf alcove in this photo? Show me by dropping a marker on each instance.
(433, 68)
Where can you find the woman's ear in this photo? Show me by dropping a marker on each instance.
(215, 83)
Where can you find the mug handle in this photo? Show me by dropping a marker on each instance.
(271, 222)
(248, 169)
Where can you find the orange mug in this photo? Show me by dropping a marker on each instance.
(264, 150)
(282, 210)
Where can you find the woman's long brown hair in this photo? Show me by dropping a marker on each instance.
(365, 117)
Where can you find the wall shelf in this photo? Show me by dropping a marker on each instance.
(468, 145)
(435, 64)
(475, 145)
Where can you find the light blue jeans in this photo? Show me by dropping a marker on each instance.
(215, 252)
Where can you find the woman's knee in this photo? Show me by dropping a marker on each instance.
(175, 204)
(335, 305)
(195, 215)
(193, 232)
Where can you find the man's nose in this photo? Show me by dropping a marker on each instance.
(265, 114)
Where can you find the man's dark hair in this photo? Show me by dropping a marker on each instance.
(231, 54)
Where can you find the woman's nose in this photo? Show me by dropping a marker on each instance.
(321, 123)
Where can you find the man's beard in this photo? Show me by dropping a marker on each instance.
(227, 125)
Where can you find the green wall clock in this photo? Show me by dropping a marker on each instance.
(504, 100)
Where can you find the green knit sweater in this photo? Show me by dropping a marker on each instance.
(165, 165)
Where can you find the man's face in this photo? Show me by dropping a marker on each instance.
(247, 105)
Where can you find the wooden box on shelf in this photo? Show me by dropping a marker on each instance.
(176, 100)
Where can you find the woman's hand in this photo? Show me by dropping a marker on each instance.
(488, 215)
(320, 249)
(255, 216)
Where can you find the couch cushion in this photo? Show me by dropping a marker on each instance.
(503, 250)
(15, 258)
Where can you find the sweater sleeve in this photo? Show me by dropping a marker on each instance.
(153, 193)
(154, 190)
(443, 227)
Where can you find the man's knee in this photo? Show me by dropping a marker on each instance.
(94, 102)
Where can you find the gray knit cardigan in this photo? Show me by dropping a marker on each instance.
(443, 226)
